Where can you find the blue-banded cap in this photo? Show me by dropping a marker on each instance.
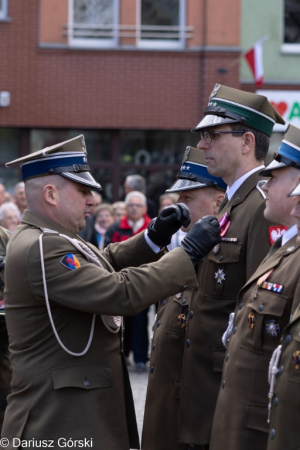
(227, 106)
(288, 153)
(68, 159)
(194, 174)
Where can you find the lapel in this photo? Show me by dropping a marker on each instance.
(273, 261)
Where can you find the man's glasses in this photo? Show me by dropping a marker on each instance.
(134, 205)
(210, 136)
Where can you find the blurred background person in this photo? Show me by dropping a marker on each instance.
(9, 215)
(138, 183)
(88, 233)
(19, 197)
(103, 219)
(136, 327)
(2, 194)
(119, 210)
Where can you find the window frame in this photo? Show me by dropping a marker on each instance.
(97, 42)
(4, 10)
(163, 43)
(287, 48)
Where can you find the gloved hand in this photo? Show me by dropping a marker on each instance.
(169, 220)
(201, 238)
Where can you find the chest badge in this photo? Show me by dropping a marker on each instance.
(181, 320)
(220, 276)
(296, 360)
(272, 328)
(251, 320)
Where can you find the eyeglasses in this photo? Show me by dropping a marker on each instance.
(134, 205)
(210, 136)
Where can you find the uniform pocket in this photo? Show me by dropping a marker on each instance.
(84, 377)
(177, 320)
(256, 417)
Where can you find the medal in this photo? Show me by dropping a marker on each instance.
(296, 360)
(272, 328)
(251, 320)
(220, 276)
(181, 320)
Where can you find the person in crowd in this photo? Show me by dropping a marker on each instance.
(9, 215)
(284, 368)
(88, 233)
(63, 315)
(19, 197)
(2, 194)
(136, 327)
(234, 136)
(103, 219)
(119, 210)
(138, 183)
(202, 193)
(264, 307)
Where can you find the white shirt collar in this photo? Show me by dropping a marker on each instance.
(232, 189)
(289, 234)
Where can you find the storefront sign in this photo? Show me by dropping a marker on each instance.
(287, 103)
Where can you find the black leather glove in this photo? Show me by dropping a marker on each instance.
(169, 220)
(201, 238)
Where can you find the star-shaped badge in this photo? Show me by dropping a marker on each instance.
(220, 276)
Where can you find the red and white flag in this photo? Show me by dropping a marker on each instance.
(254, 58)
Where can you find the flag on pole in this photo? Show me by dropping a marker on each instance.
(254, 58)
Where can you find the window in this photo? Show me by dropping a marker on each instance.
(161, 24)
(3, 9)
(92, 23)
(291, 38)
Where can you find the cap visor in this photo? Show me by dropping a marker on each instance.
(272, 166)
(212, 121)
(185, 185)
(295, 192)
(82, 178)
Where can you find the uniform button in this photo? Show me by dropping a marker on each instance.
(227, 357)
(86, 383)
(275, 401)
(280, 370)
(241, 305)
(153, 347)
(158, 323)
(196, 287)
(188, 342)
(191, 314)
(261, 307)
(151, 369)
(272, 433)
(223, 384)
(163, 303)
(220, 257)
(287, 338)
(184, 301)
(234, 330)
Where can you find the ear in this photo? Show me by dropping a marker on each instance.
(248, 142)
(50, 194)
(218, 199)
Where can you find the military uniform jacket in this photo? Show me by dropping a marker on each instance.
(265, 305)
(225, 270)
(55, 394)
(285, 413)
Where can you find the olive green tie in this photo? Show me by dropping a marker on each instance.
(223, 203)
(275, 246)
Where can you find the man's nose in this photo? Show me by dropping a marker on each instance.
(202, 144)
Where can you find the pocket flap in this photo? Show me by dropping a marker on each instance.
(257, 416)
(229, 253)
(273, 304)
(85, 377)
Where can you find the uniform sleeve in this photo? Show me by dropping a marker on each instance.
(73, 282)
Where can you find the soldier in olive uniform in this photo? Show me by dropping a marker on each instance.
(70, 379)
(234, 135)
(202, 193)
(265, 305)
(284, 372)
(5, 369)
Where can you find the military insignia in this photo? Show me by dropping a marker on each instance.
(216, 249)
(179, 295)
(186, 154)
(226, 239)
(296, 360)
(251, 320)
(272, 287)
(214, 91)
(276, 232)
(220, 276)
(272, 328)
(290, 249)
(70, 261)
(181, 320)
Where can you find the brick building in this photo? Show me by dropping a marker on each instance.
(132, 75)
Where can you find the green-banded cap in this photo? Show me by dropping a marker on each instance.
(194, 174)
(68, 159)
(227, 105)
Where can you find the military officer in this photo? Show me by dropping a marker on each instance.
(69, 376)
(234, 135)
(202, 193)
(284, 372)
(5, 369)
(265, 305)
